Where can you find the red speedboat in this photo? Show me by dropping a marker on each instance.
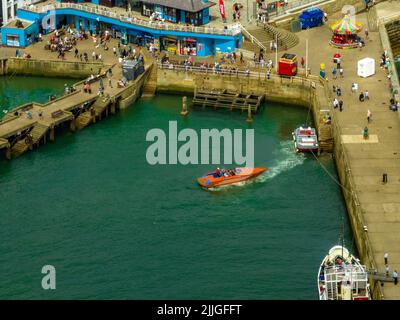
(229, 176)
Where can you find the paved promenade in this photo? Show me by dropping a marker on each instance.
(369, 159)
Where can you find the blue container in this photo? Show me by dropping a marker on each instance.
(311, 18)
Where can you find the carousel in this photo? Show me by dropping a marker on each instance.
(345, 34)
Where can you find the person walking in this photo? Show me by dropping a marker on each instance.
(334, 75)
(110, 83)
(341, 72)
(366, 95)
(386, 257)
(387, 271)
(302, 62)
(341, 105)
(93, 55)
(395, 276)
(369, 116)
(335, 103)
(366, 33)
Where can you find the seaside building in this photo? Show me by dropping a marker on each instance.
(8, 9)
(180, 27)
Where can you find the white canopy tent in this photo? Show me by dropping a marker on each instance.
(366, 67)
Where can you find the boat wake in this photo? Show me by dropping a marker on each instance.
(289, 160)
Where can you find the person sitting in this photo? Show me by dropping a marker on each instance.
(218, 172)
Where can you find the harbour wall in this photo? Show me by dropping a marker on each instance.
(305, 92)
(52, 68)
(295, 90)
(3, 67)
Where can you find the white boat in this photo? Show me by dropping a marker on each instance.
(342, 277)
(305, 139)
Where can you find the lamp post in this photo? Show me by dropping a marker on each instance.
(306, 58)
(247, 2)
(276, 53)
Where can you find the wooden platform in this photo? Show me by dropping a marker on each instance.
(227, 100)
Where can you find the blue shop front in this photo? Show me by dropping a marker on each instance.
(19, 33)
(173, 41)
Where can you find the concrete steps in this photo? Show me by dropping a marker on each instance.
(249, 46)
(83, 120)
(37, 133)
(150, 87)
(100, 105)
(325, 137)
(268, 33)
(393, 31)
(19, 148)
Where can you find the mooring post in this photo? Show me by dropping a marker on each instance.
(249, 117)
(52, 134)
(72, 125)
(93, 115)
(184, 111)
(8, 153)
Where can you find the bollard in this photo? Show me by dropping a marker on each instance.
(52, 134)
(72, 125)
(8, 154)
(249, 117)
(184, 111)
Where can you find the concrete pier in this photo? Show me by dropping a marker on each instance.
(32, 124)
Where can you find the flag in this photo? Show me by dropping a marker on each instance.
(222, 9)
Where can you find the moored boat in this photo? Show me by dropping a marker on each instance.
(342, 277)
(305, 139)
(224, 177)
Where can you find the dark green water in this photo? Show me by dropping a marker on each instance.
(115, 227)
(15, 91)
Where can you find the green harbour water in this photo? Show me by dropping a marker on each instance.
(116, 227)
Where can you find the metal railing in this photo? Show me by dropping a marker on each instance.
(252, 38)
(310, 80)
(231, 30)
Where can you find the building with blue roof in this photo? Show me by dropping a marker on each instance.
(190, 38)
